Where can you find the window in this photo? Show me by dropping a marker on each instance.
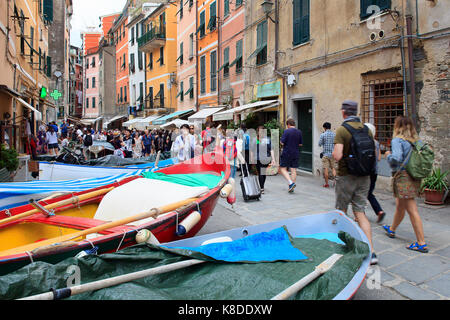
(238, 60)
(191, 88)
(141, 94)
(382, 102)
(238, 3)
(203, 75)
(87, 83)
(226, 8)
(201, 28)
(132, 36)
(301, 22)
(370, 7)
(191, 3)
(212, 16)
(124, 65)
(125, 94)
(180, 57)
(87, 103)
(93, 62)
(181, 92)
(93, 103)
(181, 9)
(87, 63)
(161, 56)
(150, 97)
(191, 46)
(226, 62)
(140, 61)
(213, 61)
(261, 44)
(161, 94)
(93, 82)
(150, 62)
(121, 95)
(132, 63)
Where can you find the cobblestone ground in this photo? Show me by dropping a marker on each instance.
(405, 275)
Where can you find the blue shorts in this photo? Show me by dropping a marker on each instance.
(148, 149)
(53, 146)
(289, 161)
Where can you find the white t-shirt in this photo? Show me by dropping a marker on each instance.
(52, 138)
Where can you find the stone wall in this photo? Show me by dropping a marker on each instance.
(432, 63)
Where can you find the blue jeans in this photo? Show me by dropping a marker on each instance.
(371, 197)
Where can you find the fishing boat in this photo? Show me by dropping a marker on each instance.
(320, 226)
(57, 171)
(107, 219)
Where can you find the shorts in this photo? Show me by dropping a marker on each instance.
(405, 187)
(288, 161)
(352, 190)
(328, 163)
(53, 146)
(148, 149)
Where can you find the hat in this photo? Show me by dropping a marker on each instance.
(349, 105)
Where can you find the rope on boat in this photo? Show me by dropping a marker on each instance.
(30, 255)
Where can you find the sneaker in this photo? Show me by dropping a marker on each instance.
(292, 187)
(381, 217)
(374, 259)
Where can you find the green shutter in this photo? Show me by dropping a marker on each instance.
(226, 10)
(213, 62)
(201, 28)
(301, 28)
(212, 16)
(202, 74)
(48, 11)
(49, 66)
(365, 4)
(238, 53)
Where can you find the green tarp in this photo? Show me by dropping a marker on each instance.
(210, 281)
(192, 180)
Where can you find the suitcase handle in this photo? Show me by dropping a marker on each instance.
(246, 166)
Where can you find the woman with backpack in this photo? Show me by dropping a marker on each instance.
(405, 188)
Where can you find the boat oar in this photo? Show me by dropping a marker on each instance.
(157, 160)
(320, 270)
(105, 283)
(153, 213)
(61, 203)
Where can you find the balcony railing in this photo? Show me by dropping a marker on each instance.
(154, 38)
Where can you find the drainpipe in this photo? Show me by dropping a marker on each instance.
(412, 80)
(219, 51)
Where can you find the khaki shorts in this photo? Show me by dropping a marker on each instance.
(328, 163)
(352, 190)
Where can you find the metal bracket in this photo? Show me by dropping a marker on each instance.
(37, 206)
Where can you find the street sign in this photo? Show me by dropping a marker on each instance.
(56, 95)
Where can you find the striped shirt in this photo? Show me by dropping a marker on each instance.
(327, 142)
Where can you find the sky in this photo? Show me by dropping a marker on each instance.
(86, 14)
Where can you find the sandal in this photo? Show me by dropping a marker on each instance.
(416, 247)
(389, 232)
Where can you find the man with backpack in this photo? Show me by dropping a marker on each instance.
(87, 142)
(355, 153)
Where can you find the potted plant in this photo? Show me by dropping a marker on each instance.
(435, 187)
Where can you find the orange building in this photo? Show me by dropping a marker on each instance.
(207, 53)
(91, 40)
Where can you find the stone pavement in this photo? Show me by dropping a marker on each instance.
(405, 275)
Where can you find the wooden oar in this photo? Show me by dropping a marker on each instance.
(320, 270)
(105, 283)
(62, 203)
(153, 213)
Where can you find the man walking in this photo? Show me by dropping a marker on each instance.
(351, 188)
(291, 141)
(327, 142)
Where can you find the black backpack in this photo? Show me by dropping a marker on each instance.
(88, 140)
(362, 160)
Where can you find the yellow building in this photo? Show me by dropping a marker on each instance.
(26, 67)
(159, 43)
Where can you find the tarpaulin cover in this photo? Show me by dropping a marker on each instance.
(209, 281)
(114, 161)
(270, 246)
(192, 180)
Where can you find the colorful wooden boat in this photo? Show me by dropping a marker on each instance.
(320, 224)
(77, 214)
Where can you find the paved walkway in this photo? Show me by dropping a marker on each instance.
(404, 274)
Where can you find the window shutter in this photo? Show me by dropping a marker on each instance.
(48, 11)
(305, 21)
(297, 22)
(364, 5)
(49, 66)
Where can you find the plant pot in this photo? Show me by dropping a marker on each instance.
(433, 197)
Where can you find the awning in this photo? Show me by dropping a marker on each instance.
(132, 122)
(143, 123)
(37, 113)
(228, 114)
(175, 123)
(9, 91)
(105, 124)
(91, 121)
(171, 116)
(203, 114)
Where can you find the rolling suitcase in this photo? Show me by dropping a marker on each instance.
(250, 186)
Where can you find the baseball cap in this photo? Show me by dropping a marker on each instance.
(349, 105)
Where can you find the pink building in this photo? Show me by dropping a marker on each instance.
(231, 44)
(186, 54)
(91, 110)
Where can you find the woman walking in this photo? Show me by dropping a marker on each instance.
(264, 155)
(373, 178)
(52, 141)
(405, 188)
(138, 146)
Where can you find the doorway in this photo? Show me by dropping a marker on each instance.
(305, 124)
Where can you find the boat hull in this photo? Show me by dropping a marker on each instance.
(164, 227)
(332, 222)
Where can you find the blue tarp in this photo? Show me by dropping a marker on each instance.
(272, 246)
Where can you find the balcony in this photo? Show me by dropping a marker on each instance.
(153, 39)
